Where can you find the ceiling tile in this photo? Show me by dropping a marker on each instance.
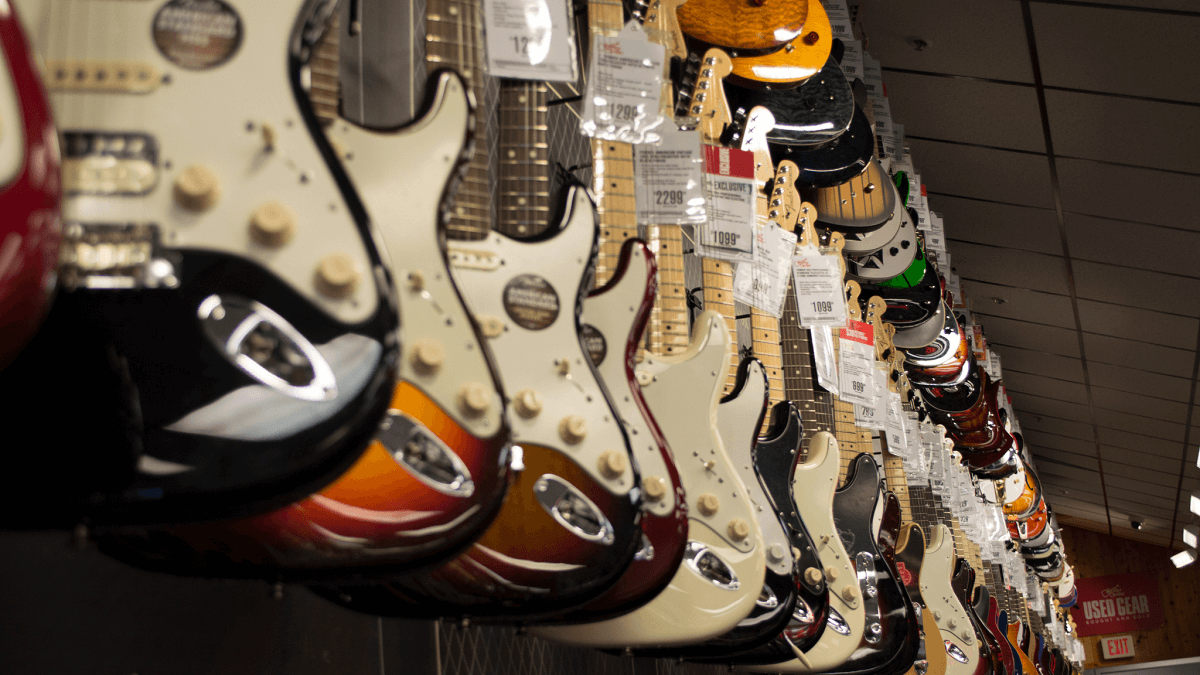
(983, 173)
(1139, 381)
(1139, 442)
(1085, 125)
(1010, 267)
(1053, 425)
(1058, 485)
(983, 39)
(1016, 303)
(1069, 459)
(1049, 466)
(1137, 404)
(1137, 288)
(1134, 509)
(1138, 324)
(1020, 227)
(1077, 503)
(1042, 363)
(1188, 5)
(1163, 198)
(1094, 48)
(1137, 354)
(1155, 486)
(1034, 404)
(966, 110)
(1038, 439)
(1130, 244)
(1044, 386)
(1139, 497)
(1113, 419)
(1116, 458)
(1014, 333)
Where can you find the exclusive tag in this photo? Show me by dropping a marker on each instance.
(530, 39)
(762, 283)
(730, 200)
(856, 363)
(820, 296)
(668, 179)
(624, 87)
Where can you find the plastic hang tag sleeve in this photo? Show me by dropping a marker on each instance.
(731, 201)
(856, 363)
(624, 87)
(820, 296)
(763, 282)
(669, 179)
(822, 343)
(530, 40)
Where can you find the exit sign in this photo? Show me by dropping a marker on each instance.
(1118, 647)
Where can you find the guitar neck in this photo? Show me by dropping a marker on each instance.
(718, 296)
(454, 40)
(852, 439)
(897, 482)
(768, 348)
(523, 181)
(799, 381)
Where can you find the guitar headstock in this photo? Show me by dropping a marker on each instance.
(853, 309)
(785, 198)
(708, 97)
(807, 233)
(759, 122)
(662, 25)
(876, 306)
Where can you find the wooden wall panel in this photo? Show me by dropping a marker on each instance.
(1094, 554)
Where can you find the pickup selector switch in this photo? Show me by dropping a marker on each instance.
(272, 224)
(197, 188)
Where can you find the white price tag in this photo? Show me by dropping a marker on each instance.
(856, 363)
(917, 462)
(893, 426)
(883, 116)
(839, 19)
(530, 39)
(897, 139)
(954, 285)
(922, 209)
(872, 77)
(871, 416)
(820, 298)
(668, 179)
(624, 87)
(731, 204)
(852, 60)
(822, 342)
(994, 359)
(762, 283)
(943, 261)
(936, 239)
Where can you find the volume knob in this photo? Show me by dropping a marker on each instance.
(336, 276)
(573, 429)
(197, 188)
(272, 224)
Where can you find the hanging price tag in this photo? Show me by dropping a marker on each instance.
(872, 77)
(897, 141)
(852, 60)
(893, 426)
(530, 39)
(936, 239)
(668, 179)
(763, 282)
(917, 462)
(856, 367)
(729, 191)
(871, 416)
(822, 343)
(839, 19)
(820, 297)
(624, 87)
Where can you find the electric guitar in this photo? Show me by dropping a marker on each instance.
(799, 60)
(30, 193)
(744, 26)
(223, 303)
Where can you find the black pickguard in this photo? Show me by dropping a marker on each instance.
(832, 163)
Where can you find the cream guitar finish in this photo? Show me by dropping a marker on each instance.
(683, 392)
(556, 399)
(814, 484)
(441, 352)
(940, 601)
(240, 179)
(12, 123)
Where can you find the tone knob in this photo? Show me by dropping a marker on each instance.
(197, 188)
(937, 616)
(850, 593)
(831, 573)
(572, 429)
(775, 553)
(738, 529)
(427, 356)
(655, 488)
(813, 576)
(708, 504)
(272, 224)
(951, 624)
(336, 276)
(528, 403)
(474, 399)
(612, 464)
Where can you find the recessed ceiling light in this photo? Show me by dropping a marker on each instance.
(1191, 535)
(1184, 558)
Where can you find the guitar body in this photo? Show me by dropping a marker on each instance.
(30, 193)
(1006, 644)
(227, 377)
(617, 315)
(431, 481)
(909, 561)
(799, 60)
(832, 163)
(996, 621)
(816, 112)
(567, 530)
(684, 392)
(743, 24)
(961, 647)
(1015, 640)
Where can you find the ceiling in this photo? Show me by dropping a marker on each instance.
(1060, 141)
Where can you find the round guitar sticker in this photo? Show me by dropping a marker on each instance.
(531, 302)
(197, 34)
(594, 343)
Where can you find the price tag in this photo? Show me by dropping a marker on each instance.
(883, 116)
(729, 191)
(839, 19)
(893, 426)
(871, 416)
(822, 342)
(762, 283)
(530, 39)
(936, 239)
(954, 284)
(624, 86)
(872, 77)
(668, 179)
(856, 362)
(903, 164)
(897, 141)
(820, 297)
(852, 60)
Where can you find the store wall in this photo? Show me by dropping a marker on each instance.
(1094, 554)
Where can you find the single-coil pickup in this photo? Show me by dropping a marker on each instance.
(130, 77)
(474, 260)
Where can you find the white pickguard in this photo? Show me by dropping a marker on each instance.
(813, 487)
(952, 620)
(214, 118)
(549, 360)
(404, 201)
(683, 396)
(737, 421)
(612, 312)
(12, 124)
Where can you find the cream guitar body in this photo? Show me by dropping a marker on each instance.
(814, 484)
(720, 577)
(962, 650)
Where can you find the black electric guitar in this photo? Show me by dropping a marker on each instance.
(224, 310)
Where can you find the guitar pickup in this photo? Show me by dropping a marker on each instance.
(129, 77)
(102, 163)
(474, 260)
(114, 256)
